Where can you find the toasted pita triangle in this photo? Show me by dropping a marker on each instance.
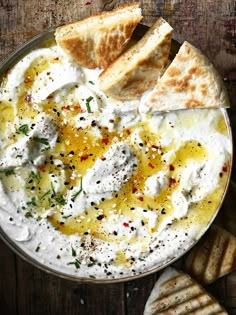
(177, 293)
(99, 39)
(213, 257)
(190, 81)
(139, 68)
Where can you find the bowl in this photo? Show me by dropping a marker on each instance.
(40, 41)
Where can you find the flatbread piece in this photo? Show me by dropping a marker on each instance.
(213, 256)
(99, 39)
(177, 293)
(190, 81)
(139, 68)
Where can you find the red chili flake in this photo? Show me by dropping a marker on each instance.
(224, 168)
(66, 107)
(171, 167)
(134, 190)
(155, 147)
(49, 97)
(103, 158)
(140, 198)
(105, 140)
(84, 157)
(172, 181)
(77, 107)
(126, 224)
(151, 165)
(42, 168)
(57, 58)
(27, 80)
(209, 201)
(128, 131)
(221, 174)
(87, 3)
(28, 98)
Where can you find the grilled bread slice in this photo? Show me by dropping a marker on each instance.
(99, 39)
(177, 293)
(139, 68)
(190, 81)
(213, 257)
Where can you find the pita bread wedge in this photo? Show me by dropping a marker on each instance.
(190, 81)
(177, 293)
(99, 39)
(213, 257)
(139, 68)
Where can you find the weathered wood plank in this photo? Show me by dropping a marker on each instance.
(41, 293)
(7, 281)
(137, 293)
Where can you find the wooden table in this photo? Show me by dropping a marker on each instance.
(211, 26)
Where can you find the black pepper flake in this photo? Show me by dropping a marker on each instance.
(98, 182)
(140, 144)
(100, 217)
(115, 233)
(58, 257)
(163, 211)
(71, 152)
(142, 222)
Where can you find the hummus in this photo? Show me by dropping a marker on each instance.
(95, 187)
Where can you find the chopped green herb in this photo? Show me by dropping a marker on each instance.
(76, 263)
(76, 194)
(88, 100)
(53, 189)
(66, 216)
(141, 259)
(44, 195)
(38, 247)
(61, 200)
(35, 176)
(19, 156)
(9, 171)
(73, 252)
(41, 140)
(24, 129)
(28, 215)
(91, 82)
(32, 202)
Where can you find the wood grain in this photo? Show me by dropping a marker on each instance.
(211, 26)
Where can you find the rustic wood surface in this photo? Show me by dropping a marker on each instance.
(211, 26)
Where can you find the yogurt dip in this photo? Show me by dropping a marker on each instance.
(98, 188)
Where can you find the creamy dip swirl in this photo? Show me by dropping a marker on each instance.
(100, 188)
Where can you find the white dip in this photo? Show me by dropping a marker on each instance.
(95, 187)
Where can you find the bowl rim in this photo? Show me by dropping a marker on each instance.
(5, 65)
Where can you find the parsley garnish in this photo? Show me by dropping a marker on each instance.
(73, 252)
(91, 82)
(44, 195)
(53, 190)
(73, 197)
(32, 202)
(66, 216)
(76, 263)
(61, 200)
(24, 129)
(9, 171)
(35, 176)
(41, 140)
(88, 100)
